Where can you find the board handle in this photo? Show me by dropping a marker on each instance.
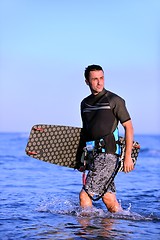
(31, 153)
(38, 129)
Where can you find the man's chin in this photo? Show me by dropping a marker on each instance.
(100, 89)
(95, 92)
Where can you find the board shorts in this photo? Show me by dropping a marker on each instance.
(99, 179)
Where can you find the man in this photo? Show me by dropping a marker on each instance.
(101, 112)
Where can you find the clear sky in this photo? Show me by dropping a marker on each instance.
(45, 46)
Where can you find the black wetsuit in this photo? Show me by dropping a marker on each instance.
(101, 114)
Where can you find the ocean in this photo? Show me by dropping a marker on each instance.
(39, 200)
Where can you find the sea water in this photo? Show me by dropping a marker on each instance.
(39, 200)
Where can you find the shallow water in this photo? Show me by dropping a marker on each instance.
(40, 200)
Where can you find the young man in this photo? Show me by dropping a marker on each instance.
(101, 112)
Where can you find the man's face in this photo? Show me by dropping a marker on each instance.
(96, 81)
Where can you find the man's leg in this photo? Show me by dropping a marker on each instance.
(85, 200)
(111, 202)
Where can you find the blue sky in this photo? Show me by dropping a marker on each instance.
(45, 46)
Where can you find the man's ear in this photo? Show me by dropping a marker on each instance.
(87, 82)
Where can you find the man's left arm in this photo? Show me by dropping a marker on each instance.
(128, 163)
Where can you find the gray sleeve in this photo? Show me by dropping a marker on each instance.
(119, 108)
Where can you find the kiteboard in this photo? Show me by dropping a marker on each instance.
(58, 144)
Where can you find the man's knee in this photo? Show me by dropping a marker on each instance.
(85, 200)
(83, 196)
(111, 202)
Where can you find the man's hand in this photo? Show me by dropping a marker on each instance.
(81, 169)
(128, 164)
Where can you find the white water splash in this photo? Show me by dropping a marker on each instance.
(127, 214)
(61, 206)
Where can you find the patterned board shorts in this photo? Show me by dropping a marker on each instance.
(99, 175)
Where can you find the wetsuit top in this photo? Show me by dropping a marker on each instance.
(101, 114)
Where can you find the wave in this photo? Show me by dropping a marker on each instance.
(148, 152)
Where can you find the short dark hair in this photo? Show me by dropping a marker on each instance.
(91, 68)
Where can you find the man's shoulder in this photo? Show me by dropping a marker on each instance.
(114, 99)
(86, 98)
(113, 96)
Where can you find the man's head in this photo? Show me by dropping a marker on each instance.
(94, 77)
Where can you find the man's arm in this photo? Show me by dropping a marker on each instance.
(128, 163)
